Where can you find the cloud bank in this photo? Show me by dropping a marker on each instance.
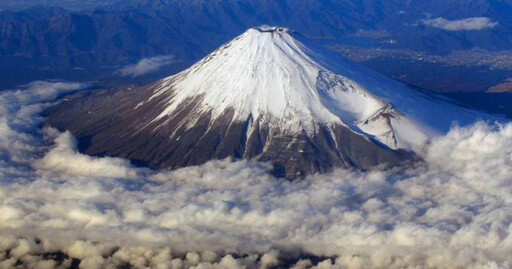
(468, 24)
(145, 66)
(62, 208)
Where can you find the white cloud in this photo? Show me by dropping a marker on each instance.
(145, 66)
(467, 24)
(64, 159)
(452, 211)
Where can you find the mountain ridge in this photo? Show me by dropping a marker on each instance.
(93, 44)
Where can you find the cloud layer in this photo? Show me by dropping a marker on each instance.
(145, 66)
(452, 211)
(468, 24)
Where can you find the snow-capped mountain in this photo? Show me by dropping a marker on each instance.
(270, 95)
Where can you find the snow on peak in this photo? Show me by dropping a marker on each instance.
(267, 73)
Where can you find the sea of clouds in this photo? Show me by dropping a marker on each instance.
(60, 208)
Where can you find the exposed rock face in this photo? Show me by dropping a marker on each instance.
(109, 125)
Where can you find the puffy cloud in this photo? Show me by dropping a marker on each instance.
(64, 158)
(20, 143)
(454, 210)
(467, 24)
(145, 66)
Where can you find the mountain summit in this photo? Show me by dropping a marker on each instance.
(271, 95)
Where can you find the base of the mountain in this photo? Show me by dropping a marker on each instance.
(106, 124)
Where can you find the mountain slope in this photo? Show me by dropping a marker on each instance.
(268, 95)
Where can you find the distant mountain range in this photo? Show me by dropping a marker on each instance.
(76, 5)
(42, 42)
